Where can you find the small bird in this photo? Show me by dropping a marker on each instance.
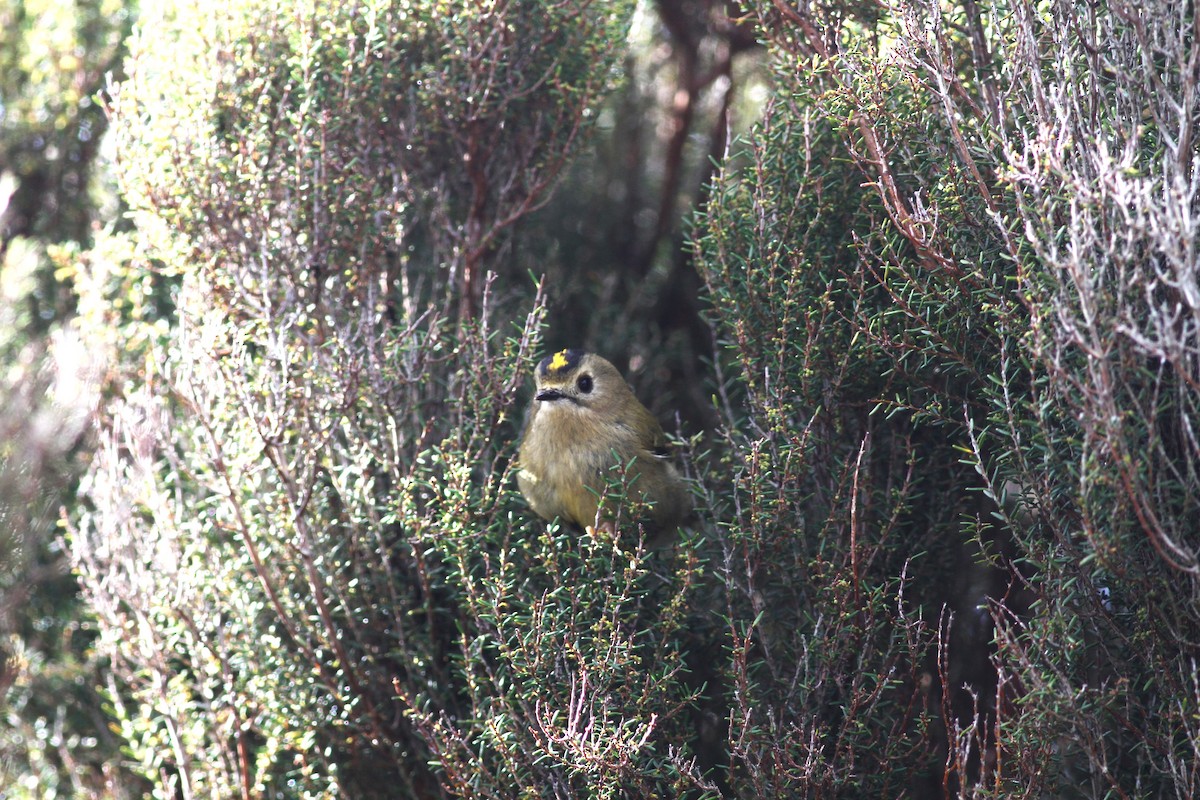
(585, 419)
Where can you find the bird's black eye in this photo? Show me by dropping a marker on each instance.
(584, 383)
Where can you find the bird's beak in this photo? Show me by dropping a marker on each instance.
(548, 395)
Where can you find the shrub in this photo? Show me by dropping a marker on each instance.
(968, 225)
(302, 541)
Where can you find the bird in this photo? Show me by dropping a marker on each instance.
(584, 420)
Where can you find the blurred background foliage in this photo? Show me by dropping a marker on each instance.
(56, 193)
(913, 286)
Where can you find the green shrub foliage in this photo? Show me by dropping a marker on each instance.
(302, 541)
(953, 267)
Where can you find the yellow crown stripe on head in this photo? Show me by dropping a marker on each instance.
(559, 361)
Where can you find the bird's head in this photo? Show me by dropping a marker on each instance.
(580, 381)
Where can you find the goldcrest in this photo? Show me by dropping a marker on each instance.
(584, 420)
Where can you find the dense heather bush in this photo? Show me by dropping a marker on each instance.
(302, 541)
(849, 501)
(1103, 440)
(976, 226)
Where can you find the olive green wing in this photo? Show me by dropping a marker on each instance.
(652, 437)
